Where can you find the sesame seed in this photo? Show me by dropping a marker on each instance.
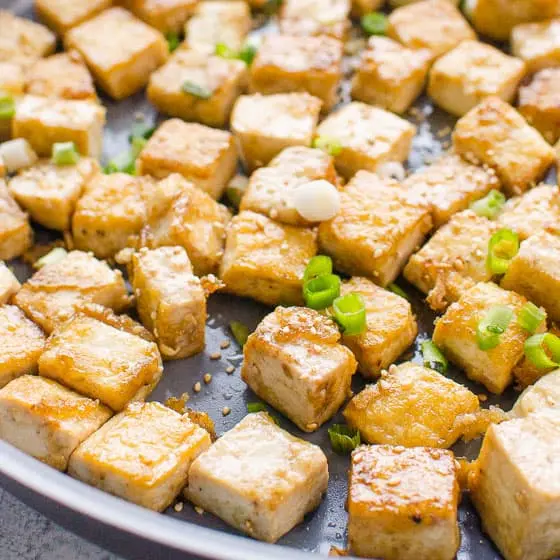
(230, 369)
(226, 410)
(178, 507)
(207, 378)
(198, 510)
(225, 344)
(197, 387)
(215, 356)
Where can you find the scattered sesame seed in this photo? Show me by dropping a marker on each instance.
(230, 369)
(198, 510)
(482, 397)
(207, 378)
(226, 410)
(197, 387)
(225, 344)
(215, 356)
(178, 507)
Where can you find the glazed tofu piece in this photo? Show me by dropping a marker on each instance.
(170, 300)
(271, 189)
(203, 155)
(54, 293)
(111, 213)
(62, 15)
(516, 490)
(543, 395)
(402, 503)
(376, 229)
(168, 16)
(46, 420)
(49, 192)
(9, 284)
(471, 72)
(535, 272)
(120, 50)
(12, 84)
(101, 362)
(436, 25)
(22, 344)
(227, 22)
(539, 103)
(390, 75)
(44, 121)
(264, 125)
(391, 327)
(142, 455)
(286, 64)
(294, 361)
(265, 260)
(538, 44)
(216, 83)
(368, 136)
(456, 335)
(259, 478)
(453, 260)
(362, 7)
(315, 17)
(16, 235)
(496, 135)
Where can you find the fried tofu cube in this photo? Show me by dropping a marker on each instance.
(391, 327)
(315, 17)
(101, 362)
(223, 79)
(170, 299)
(264, 125)
(456, 335)
(49, 192)
(46, 420)
(539, 103)
(285, 64)
(53, 294)
(436, 25)
(9, 284)
(543, 395)
(368, 136)
(62, 15)
(294, 361)
(363, 7)
(218, 22)
(471, 72)
(16, 235)
(120, 50)
(402, 503)
(390, 75)
(265, 260)
(453, 260)
(203, 155)
(516, 488)
(376, 229)
(12, 83)
(271, 189)
(22, 344)
(271, 481)
(496, 135)
(142, 455)
(538, 44)
(168, 16)
(44, 121)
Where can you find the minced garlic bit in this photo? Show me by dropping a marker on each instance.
(207, 378)
(197, 387)
(317, 201)
(226, 410)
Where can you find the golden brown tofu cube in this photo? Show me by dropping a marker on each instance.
(9, 284)
(16, 235)
(43, 122)
(456, 335)
(368, 136)
(46, 420)
(496, 135)
(390, 75)
(315, 17)
(471, 72)
(142, 455)
(203, 155)
(264, 125)
(12, 83)
(219, 79)
(402, 503)
(50, 192)
(436, 25)
(376, 229)
(265, 260)
(22, 344)
(285, 64)
(391, 327)
(120, 50)
(62, 15)
(543, 395)
(362, 7)
(168, 16)
(538, 44)
(294, 361)
(170, 299)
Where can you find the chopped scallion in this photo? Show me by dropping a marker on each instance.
(492, 326)
(53, 256)
(344, 439)
(503, 246)
(489, 206)
(329, 145)
(317, 266)
(65, 153)
(397, 290)
(539, 346)
(350, 313)
(321, 291)
(7, 107)
(141, 129)
(240, 332)
(247, 54)
(224, 51)
(173, 41)
(375, 23)
(196, 90)
(530, 317)
(253, 407)
(433, 357)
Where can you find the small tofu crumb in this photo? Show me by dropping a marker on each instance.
(197, 387)
(207, 378)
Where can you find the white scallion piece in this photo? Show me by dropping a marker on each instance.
(17, 154)
(317, 201)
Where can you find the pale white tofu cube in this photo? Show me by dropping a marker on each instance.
(538, 44)
(315, 17)
(259, 478)
(16, 235)
(9, 284)
(543, 395)
(168, 16)
(62, 15)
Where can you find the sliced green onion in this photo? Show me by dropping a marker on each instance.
(141, 129)
(397, 290)
(57, 254)
(194, 89)
(240, 332)
(492, 326)
(125, 162)
(320, 292)
(375, 23)
(317, 266)
(173, 41)
(489, 206)
(65, 153)
(350, 313)
(253, 407)
(224, 51)
(330, 145)
(247, 54)
(536, 348)
(530, 317)
(7, 107)
(433, 357)
(503, 246)
(344, 439)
